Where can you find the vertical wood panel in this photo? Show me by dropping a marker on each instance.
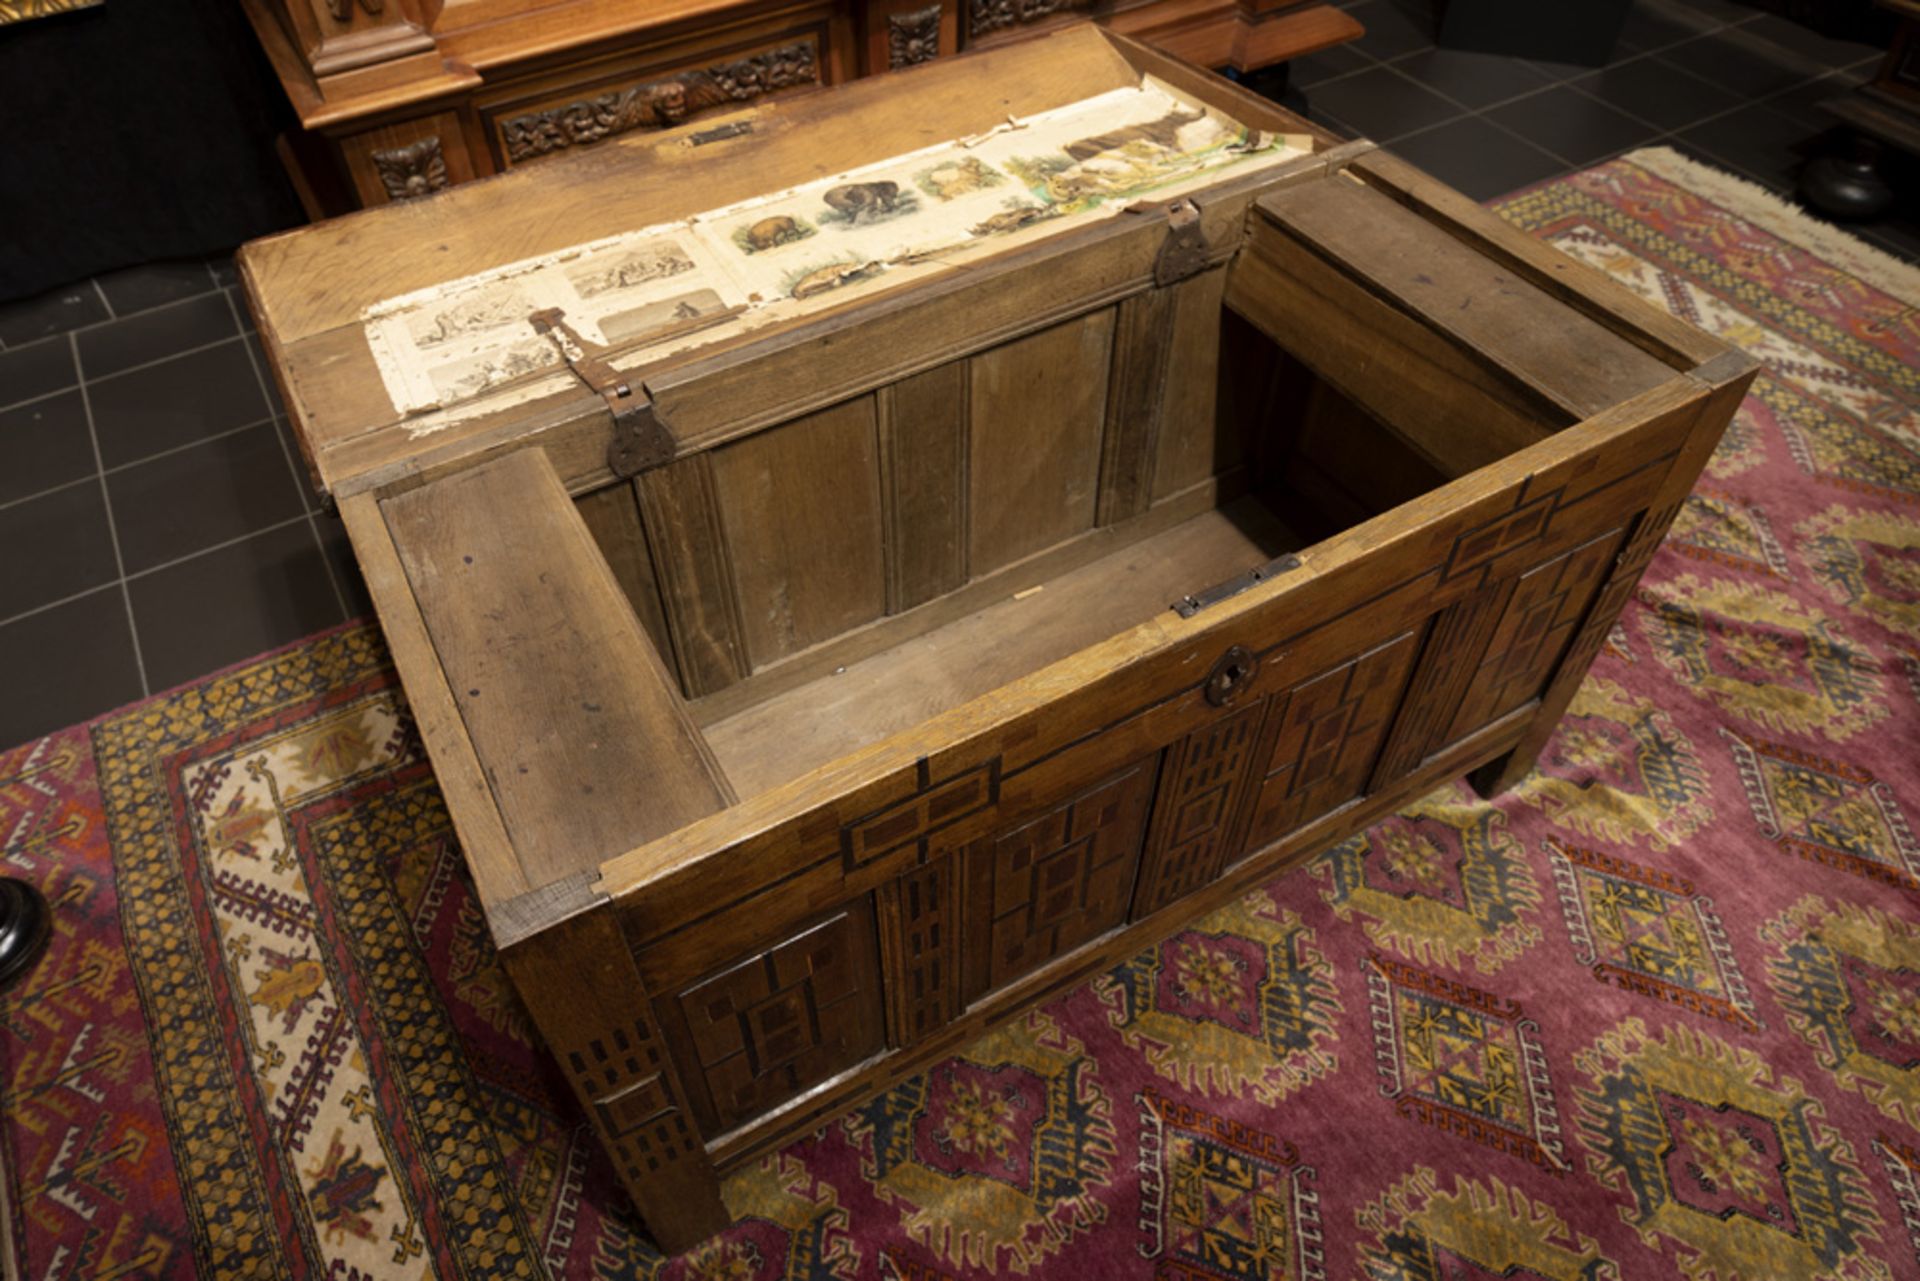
(613, 517)
(1448, 658)
(923, 440)
(1535, 628)
(682, 519)
(1321, 742)
(1036, 409)
(585, 995)
(1201, 785)
(801, 507)
(1195, 442)
(1137, 384)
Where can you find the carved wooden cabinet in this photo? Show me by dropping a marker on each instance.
(816, 695)
(400, 98)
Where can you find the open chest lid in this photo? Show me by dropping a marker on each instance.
(616, 295)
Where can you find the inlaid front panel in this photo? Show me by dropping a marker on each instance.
(923, 927)
(1548, 602)
(1201, 786)
(1056, 881)
(768, 1027)
(1323, 736)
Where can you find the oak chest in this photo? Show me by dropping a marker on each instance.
(862, 565)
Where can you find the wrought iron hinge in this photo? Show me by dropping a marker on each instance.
(640, 437)
(1188, 606)
(1185, 250)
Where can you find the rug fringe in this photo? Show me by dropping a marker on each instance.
(1763, 208)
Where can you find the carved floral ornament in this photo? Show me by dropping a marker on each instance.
(913, 38)
(417, 169)
(991, 15)
(658, 104)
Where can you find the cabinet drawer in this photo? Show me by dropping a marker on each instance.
(652, 88)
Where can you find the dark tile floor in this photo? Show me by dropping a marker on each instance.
(155, 522)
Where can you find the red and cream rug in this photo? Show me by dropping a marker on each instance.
(1656, 1012)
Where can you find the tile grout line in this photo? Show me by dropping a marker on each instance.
(112, 584)
(220, 546)
(299, 477)
(113, 530)
(45, 395)
(141, 461)
(150, 570)
(1661, 134)
(50, 490)
(157, 360)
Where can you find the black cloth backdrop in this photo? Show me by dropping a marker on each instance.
(131, 132)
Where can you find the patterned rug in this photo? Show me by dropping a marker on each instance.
(1655, 1012)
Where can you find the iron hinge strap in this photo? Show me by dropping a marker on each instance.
(640, 436)
(1188, 606)
(1185, 251)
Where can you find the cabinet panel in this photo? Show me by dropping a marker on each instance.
(593, 106)
(921, 931)
(906, 33)
(767, 1027)
(801, 508)
(1548, 602)
(407, 159)
(1056, 881)
(1201, 787)
(1037, 409)
(1322, 736)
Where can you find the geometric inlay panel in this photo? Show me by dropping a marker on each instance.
(1548, 602)
(768, 1027)
(1056, 881)
(1201, 785)
(1324, 735)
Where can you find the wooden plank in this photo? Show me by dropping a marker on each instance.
(571, 715)
(1480, 305)
(497, 874)
(613, 518)
(1035, 410)
(682, 519)
(1535, 628)
(1459, 413)
(1666, 337)
(800, 504)
(923, 440)
(322, 276)
(900, 629)
(791, 733)
(1345, 460)
(810, 1111)
(1196, 440)
(1724, 381)
(1137, 384)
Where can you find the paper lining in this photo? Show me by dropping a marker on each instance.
(440, 350)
